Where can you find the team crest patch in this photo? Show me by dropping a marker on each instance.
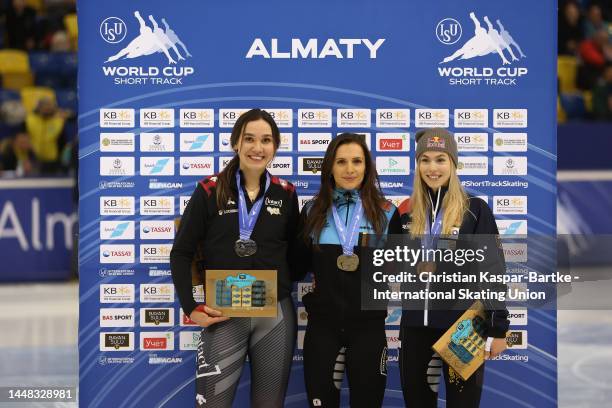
(273, 210)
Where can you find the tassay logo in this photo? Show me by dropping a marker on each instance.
(487, 39)
(152, 39)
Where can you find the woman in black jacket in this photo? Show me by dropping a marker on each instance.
(440, 208)
(242, 219)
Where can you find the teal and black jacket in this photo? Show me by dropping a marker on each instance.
(336, 298)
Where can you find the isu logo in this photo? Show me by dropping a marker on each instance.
(113, 30)
(448, 31)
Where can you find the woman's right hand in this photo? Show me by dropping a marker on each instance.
(205, 316)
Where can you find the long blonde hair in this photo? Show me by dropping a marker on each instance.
(455, 203)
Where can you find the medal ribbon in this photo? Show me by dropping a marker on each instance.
(248, 219)
(432, 233)
(348, 236)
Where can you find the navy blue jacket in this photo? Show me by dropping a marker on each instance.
(478, 220)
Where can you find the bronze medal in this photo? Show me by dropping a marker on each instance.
(245, 247)
(348, 263)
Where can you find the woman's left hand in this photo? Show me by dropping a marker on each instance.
(497, 347)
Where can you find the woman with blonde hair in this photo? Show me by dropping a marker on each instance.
(440, 213)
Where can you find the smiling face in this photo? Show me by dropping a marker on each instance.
(256, 146)
(349, 166)
(435, 169)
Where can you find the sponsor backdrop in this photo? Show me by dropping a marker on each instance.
(161, 87)
(37, 224)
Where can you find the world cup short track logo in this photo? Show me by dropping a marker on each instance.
(448, 31)
(152, 38)
(113, 30)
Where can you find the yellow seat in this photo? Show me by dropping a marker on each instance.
(38, 5)
(12, 61)
(70, 22)
(561, 116)
(17, 80)
(567, 67)
(32, 94)
(588, 100)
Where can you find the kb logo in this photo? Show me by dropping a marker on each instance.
(113, 30)
(448, 31)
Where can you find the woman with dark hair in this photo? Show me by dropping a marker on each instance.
(333, 232)
(441, 215)
(226, 223)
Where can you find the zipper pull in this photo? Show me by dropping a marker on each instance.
(349, 200)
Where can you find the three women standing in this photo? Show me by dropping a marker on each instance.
(343, 222)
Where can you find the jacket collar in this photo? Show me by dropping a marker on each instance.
(435, 200)
(434, 194)
(262, 179)
(262, 183)
(341, 196)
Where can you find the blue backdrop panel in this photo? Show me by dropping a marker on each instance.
(156, 110)
(589, 228)
(37, 221)
(579, 156)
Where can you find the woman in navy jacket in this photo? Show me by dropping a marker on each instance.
(439, 207)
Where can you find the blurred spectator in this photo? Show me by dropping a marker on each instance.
(21, 25)
(46, 126)
(16, 155)
(602, 96)
(595, 53)
(570, 29)
(594, 21)
(12, 112)
(60, 42)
